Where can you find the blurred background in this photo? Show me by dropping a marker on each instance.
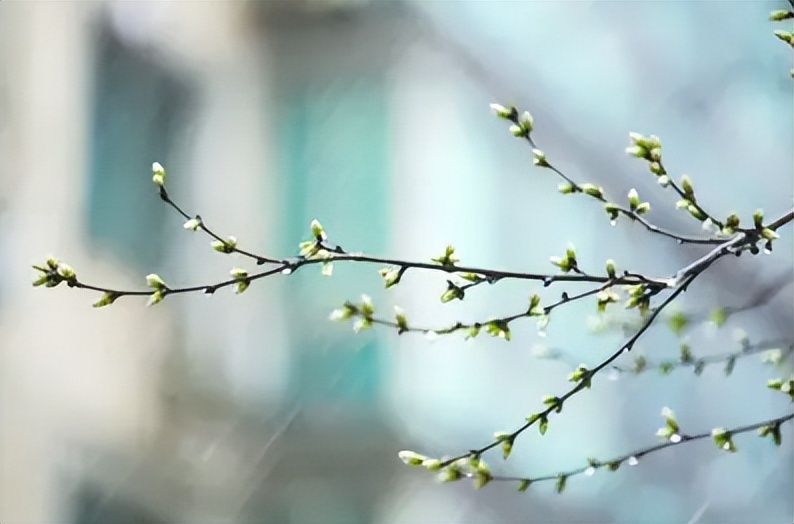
(372, 116)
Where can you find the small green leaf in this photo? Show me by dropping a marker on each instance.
(543, 425)
(677, 322)
(560, 484)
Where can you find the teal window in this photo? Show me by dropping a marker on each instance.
(137, 107)
(333, 167)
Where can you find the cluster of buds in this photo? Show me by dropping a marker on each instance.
(54, 272)
(472, 467)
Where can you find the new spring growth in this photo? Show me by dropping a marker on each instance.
(647, 147)
(391, 275)
(592, 190)
(55, 273)
(158, 174)
(581, 373)
(524, 126)
(401, 320)
(193, 224)
(635, 205)
(106, 299)
(534, 306)
(225, 246)
(241, 276)
(503, 112)
(786, 36)
(566, 263)
(779, 15)
(670, 431)
(731, 223)
(539, 159)
(160, 288)
(723, 439)
(448, 258)
(317, 231)
(453, 292)
(506, 442)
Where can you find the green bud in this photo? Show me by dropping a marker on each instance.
(523, 484)
(561, 263)
(758, 218)
(610, 267)
(391, 275)
(156, 297)
(402, 321)
(308, 248)
(722, 438)
(580, 373)
(648, 142)
(570, 254)
(345, 312)
(786, 36)
(453, 292)
(592, 190)
(566, 188)
(526, 121)
(534, 302)
(154, 281)
(158, 174)
(193, 224)
(518, 131)
(543, 425)
(366, 308)
(613, 210)
(688, 187)
(471, 277)
(224, 246)
(450, 474)
(643, 208)
(411, 458)
(503, 112)
(498, 328)
(780, 15)
(539, 158)
(317, 230)
(769, 234)
(606, 297)
(656, 169)
(447, 259)
(107, 298)
(638, 151)
(634, 199)
(66, 271)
